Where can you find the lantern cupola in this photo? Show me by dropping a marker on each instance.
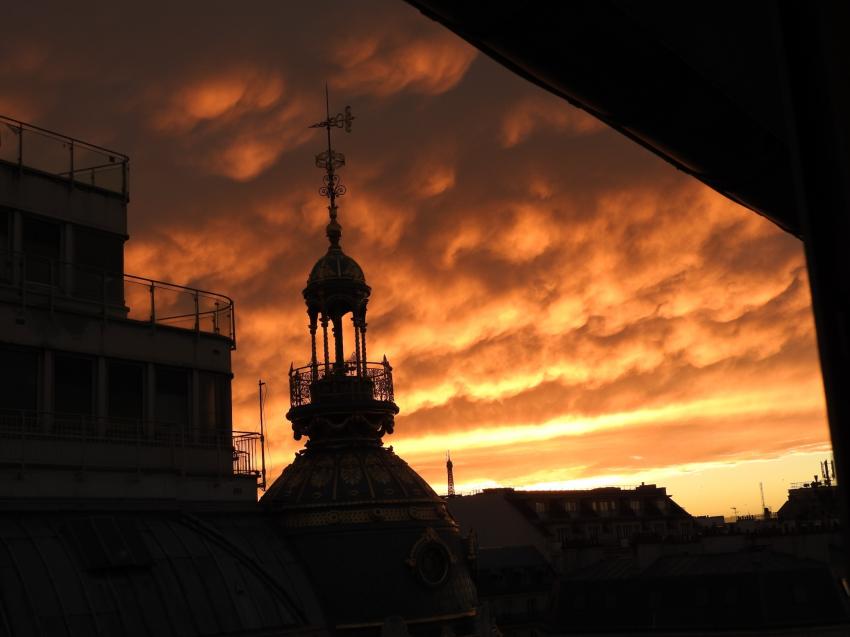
(337, 398)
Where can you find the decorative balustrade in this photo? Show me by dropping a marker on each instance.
(41, 282)
(340, 381)
(92, 441)
(74, 160)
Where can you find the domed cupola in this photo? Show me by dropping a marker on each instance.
(336, 290)
(377, 540)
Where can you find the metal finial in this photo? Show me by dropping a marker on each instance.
(330, 160)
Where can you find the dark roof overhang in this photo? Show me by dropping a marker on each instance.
(699, 85)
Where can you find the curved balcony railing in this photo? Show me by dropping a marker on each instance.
(35, 281)
(377, 385)
(74, 160)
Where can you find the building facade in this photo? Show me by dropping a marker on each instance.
(103, 371)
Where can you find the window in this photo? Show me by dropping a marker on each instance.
(172, 395)
(73, 387)
(540, 507)
(570, 506)
(18, 380)
(42, 250)
(125, 391)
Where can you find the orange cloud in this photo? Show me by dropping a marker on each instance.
(231, 94)
(382, 65)
(533, 114)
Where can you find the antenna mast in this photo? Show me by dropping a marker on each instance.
(828, 477)
(260, 385)
(764, 509)
(450, 472)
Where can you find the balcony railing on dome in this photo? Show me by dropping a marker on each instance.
(379, 377)
(74, 160)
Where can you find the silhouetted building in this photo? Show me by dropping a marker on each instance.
(516, 583)
(127, 500)
(700, 594)
(813, 505)
(378, 541)
(104, 374)
(557, 521)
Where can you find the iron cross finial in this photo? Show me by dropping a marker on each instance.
(330, 160)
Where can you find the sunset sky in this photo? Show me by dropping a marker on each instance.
(561, 308)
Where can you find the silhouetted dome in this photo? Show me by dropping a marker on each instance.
(376, 538)
(336, 265)
(354, 476)
(150, 573)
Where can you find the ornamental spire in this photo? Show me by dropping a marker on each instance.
(330, 160)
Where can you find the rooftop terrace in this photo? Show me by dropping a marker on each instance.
(80, 163)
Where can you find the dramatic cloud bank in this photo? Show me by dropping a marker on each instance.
(558, 304)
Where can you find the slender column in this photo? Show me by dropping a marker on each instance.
(314, 364)
(325, 337)
(357, 360)
(363, 344)
(339, 346)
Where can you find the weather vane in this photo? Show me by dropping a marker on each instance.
(330, 160)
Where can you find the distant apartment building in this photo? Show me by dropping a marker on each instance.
(554, 521)
(810, 506)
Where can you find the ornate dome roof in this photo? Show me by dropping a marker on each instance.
(336, 265)
(360, 513)
(356, 475)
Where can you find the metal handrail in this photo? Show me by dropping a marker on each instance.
(28, 425)
(70, 149)
(379, 375)
(208, 312)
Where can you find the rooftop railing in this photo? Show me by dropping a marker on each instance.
(48, 283)
(78, 162)
(809, 485)
(377, 385)
(90, 442)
